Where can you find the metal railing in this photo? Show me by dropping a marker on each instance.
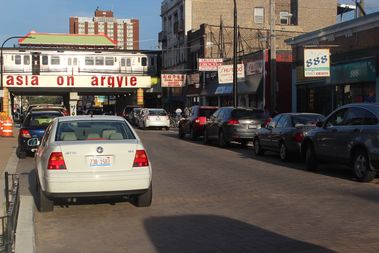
(9, 221)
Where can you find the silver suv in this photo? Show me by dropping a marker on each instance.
(349, 135)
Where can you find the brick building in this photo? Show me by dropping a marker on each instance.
(354, 66)
(125, 32)
(202, 29)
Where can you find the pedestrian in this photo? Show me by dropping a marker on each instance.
(178, 112)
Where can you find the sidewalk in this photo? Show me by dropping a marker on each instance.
(25, 242)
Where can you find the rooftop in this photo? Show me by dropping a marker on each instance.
(71, 40)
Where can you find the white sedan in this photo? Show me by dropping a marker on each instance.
(91, 156)
(154, 117)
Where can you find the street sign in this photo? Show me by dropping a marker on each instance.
(173, 80)
(225, 73)
(209, 64)
(316, 62)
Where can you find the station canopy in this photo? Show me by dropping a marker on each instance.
(34, 39)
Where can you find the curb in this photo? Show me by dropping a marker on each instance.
(25, 235)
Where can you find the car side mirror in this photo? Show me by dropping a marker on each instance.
(269, 127)
(319, 123)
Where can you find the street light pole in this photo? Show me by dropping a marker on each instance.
(2, 64)
(273, 84)
(235, 89)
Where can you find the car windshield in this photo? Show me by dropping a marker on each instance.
(93, 130)
(157, 113)
(206, 112)
(306, 120)
(255, 114)
(40, 120)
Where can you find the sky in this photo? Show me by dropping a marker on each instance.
(19, 17)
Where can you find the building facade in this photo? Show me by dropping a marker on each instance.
(193, 29)
(354, 63)
(125, 32)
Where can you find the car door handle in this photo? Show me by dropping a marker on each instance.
(356, 130)
(333, 130)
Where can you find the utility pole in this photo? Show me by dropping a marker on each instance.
(235, 88)
(272, 57)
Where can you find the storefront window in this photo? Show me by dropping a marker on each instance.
(357, 93)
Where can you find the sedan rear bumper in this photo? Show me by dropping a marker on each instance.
(163, 123)
(75, 184)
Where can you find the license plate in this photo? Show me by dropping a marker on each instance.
(33, 142)
(100, 161)
(252, 126)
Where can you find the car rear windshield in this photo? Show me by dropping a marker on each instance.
(40, 120)
(206, 112)
(81, 130)
(157, 113)
(241, 114)
(306, 120)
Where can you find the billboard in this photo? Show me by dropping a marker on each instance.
(173, 80)
(225, 73)
(209, 64)
(316, 62)
(69, 81)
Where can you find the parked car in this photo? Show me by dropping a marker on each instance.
(154, 117)
(127, 112)
(50, 108)
(133, 117)
(98, 156)
(194, 122)
(95, 111)
(349, 135)
(233, 124)
(285, 133)
(32, 130)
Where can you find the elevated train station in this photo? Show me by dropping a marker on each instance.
(77, 66)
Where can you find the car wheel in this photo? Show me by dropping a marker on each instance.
(167, 128)
(221, 140)
(192, 134)
(144, 199)
(361, 167)
(205, 137)
(20, 153)
(310, 158)
(181, 133)
(44, 204)
(283, 152)
(257, 147)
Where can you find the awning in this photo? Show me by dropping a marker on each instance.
(224, 89)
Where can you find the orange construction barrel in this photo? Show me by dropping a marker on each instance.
(7, 128)
(1, 127)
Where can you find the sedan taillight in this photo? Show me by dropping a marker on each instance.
(140, 159)
(25, 133)
(298, 137)
(233, 122)
(56, 161)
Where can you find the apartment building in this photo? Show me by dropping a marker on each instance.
(193, 29)
(125, 32)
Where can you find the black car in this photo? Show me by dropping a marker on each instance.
(32, 130)
(194, 122)
(233, 124)
(285, 133)
(349, 135)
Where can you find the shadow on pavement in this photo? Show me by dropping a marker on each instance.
(209, 233)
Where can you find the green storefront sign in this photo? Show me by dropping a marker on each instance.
(354, 72)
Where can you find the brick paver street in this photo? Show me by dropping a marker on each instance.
(208, 199)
